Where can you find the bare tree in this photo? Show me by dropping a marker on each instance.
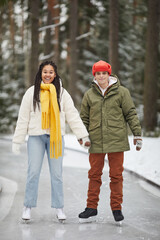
(54, 10)
(134, 16)
(151, 67)
(113, 35)
(48, 48)
(73, 48)
(11, 19)
(34, 60)
(1, 20)
(22, 28)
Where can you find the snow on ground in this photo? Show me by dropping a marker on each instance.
(145, 162)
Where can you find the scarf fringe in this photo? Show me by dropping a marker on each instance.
(56, 149)
(45, 120)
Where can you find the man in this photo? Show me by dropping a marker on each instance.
(106, 110)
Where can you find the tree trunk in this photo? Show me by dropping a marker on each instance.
(151, 67)
(1, 62)
(134, 7)
(88, 24)
(113, 35)
(34, 5)
(22, 28)
(53, 7)
(48, 48)
(56, 33)
(73, 48)
(10, 6)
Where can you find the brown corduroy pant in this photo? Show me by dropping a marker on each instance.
(115, 161)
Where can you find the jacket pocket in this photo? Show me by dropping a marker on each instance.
(94, 125)
(115, 124)
(116, 130)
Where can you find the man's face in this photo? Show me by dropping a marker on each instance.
(102, 79)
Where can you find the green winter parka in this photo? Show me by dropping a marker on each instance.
(106, 118)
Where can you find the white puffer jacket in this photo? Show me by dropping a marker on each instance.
(29, 122)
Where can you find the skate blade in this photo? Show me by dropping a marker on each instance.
(87, 220)
(62, 220)
(119, 223)
(25, 221)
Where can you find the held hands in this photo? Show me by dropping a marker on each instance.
(16, 148)
(85, 142)
(138, 142)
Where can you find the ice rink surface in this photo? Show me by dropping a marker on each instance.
(141, 208)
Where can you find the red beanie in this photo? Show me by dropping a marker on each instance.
(101, 66)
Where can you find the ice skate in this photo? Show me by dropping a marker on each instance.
(60, 215)
(26, 215)
(119, 223)
(89, 215)
(118, 216)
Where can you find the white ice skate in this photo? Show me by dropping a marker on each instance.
(26, 215)
(60, 215)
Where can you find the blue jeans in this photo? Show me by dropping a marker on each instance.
(36, 149)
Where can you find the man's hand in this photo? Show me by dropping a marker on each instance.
(85, 142)
(138, 142)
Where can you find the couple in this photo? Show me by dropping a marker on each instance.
(106, 109)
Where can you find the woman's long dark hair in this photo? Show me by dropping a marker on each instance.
(38, 80)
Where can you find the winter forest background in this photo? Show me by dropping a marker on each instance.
(75, 34)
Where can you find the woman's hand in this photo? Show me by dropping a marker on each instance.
(85, 142)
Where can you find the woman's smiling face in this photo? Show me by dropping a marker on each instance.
(48, 74)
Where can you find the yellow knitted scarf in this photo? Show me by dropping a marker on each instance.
(51, 118)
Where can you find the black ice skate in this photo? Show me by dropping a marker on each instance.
(89, 215)
(118, 216)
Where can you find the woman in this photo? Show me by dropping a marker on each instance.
(44, 109)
